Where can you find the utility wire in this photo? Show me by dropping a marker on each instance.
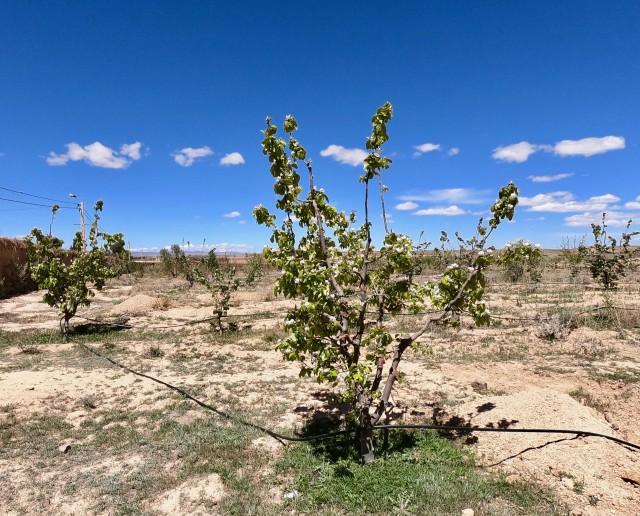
(37, 196)
(34, 204)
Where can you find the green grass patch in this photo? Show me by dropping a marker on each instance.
(421, 474)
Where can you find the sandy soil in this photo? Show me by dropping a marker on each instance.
(504, 375)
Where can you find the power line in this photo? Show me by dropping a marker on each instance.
(36, 196)
(35, 204)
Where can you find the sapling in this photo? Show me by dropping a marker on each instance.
(348, 288)
(610, 259)
(519, 259)
(68, 277)
(221, 278)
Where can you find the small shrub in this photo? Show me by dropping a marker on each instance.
(154, 352)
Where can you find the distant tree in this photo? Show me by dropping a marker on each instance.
(610, 259)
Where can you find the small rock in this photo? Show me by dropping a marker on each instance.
(568, 483)
(290, 495)
(468, 512)
(64, 448)
(30, 389)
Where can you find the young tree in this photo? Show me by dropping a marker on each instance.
(519, 259)
(348, 288)
(66, 276)
(221, 278)
(610, 259)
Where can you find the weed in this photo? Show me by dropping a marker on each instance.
(154, 352)
(588, 399)
(620, 375)
(89, 402)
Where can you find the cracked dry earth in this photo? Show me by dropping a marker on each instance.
(509, 375)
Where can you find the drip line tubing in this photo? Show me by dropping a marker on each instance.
(282, 437)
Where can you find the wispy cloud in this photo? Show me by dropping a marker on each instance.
(589, 146)
(548, 179)
(614, 219)
(449, 211)
(405, 206)
(453, 151)
(232, 215)
(97, 155)
(233, 158)
(453, 195)
(187, 156)
(131, 149)
(565, 202)
(353, 157)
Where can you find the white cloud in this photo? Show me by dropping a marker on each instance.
(565, 202)
(453, 151)
(232, 215)
(518, 152)
(131, 149)
(242, 222)
(614, 218)
(187, 156)
(453, 195)
(425, 147)
(406, 206)
(233, 158)
(548, 179)
(353, 157)
(56, 160)
(97, 155)
(588, 146)
(633, 205)
(450, 211)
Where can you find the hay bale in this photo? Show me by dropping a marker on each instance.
(14, 263)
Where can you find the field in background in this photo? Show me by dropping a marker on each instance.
(79, 435)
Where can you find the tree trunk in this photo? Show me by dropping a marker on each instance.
(367, 454)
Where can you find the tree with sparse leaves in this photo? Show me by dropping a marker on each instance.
(348, 288)
(609, 258)
(69, 277)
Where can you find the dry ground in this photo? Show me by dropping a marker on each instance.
(549, 361)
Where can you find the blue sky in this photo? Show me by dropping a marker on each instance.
(156, 108)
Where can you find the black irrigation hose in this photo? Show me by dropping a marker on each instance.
(282, 437)
(188, 323)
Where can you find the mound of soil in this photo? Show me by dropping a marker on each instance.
(140, 305)
(591, 474)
